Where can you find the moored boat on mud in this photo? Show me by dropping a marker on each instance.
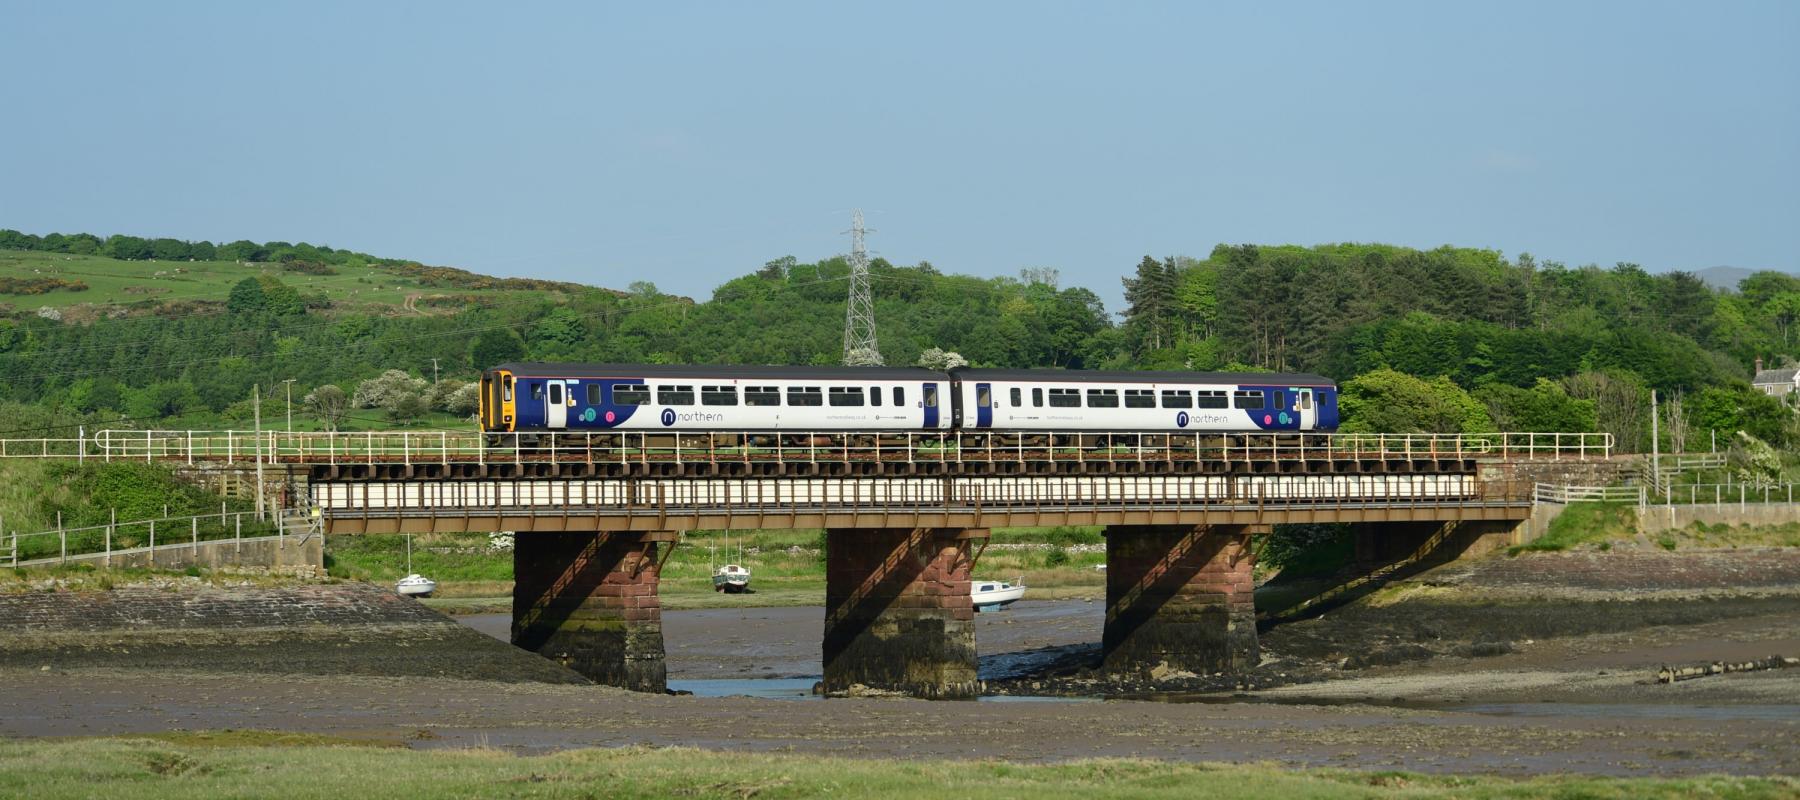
(995, 595)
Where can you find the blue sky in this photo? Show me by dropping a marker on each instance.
(687, 143)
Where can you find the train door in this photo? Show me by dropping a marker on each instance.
(556, 409)
(929, 403)
(984, 405)
(1309, 410)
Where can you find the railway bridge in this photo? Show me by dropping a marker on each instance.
(906, 520)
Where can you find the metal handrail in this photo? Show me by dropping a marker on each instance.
(176, 531)
(472, 447)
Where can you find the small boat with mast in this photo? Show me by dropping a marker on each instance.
(414, 584)
(731, 578)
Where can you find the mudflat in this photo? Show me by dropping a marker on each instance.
(1562, 682)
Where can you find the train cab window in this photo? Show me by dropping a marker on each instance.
(1140, 398)
(718, 395)
(1210, 399)
(846, 395)
(874, 395)
(593, 394)
(674, 395)
(537, 391)
(805, 396)
(1103, 398)
(556, 393)
(1037, 398)
(1175, 398)
(899, 396)
(506, 387)
(762, 396)
(631, 394)
(1017, 396)
(1247, 400)
(1065, 398)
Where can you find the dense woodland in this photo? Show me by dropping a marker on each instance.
(1442, 340)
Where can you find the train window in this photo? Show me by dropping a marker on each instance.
(1279, 403)
(984, 396)
(1018, 397)
(1247, 400)
(846, 395)
(1037, 398)
(1174, 398)
(556, 395)
(1140, 398)
(805, 396)
(1306, 401)
(674, 395)
(1103, 398)
(631, 394)
(1065, 398)
(506, 385)
(718, 395)
(931, 395)
(899, 396)
(874, 395)
(762, 396)
(1210, 399)
(537, 391)
(593, 393)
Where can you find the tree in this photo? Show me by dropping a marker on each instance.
(407, 408)
(163, 399)
(128, 248)
(941, 360)
(1385, 401)
(247, 297)
(280, 298)
(382, 391)
(329, 404)
(1621, 405)
(496, 346)
(1150, 303)
(1546, 408)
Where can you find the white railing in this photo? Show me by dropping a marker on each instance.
(1563, 495)
(117, 538)
(1739, 494)
(465, 446)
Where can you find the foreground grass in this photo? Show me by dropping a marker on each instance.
(248, 765)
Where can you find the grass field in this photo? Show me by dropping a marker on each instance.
(248, 764)
(787, 567)
(111, 281)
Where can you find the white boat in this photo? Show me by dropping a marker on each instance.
(416, 585)
(731, 578)
(995, 595)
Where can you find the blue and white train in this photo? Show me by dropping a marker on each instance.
(602, 398)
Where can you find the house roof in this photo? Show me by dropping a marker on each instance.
(1775, 377)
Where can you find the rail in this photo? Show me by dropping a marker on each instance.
(1564, 494)
(117, 538)
(473, 447)
(1738, 494)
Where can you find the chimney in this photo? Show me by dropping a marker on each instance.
(1759, 363)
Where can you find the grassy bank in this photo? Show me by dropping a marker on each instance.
(247, 764)
(1601, 526)
(474, 573)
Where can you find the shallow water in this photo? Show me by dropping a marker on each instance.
(801, 689)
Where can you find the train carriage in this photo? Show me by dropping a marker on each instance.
(859, 404)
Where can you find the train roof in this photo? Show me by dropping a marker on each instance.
(719, 371)
(1143, 376)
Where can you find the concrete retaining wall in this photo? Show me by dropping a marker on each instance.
(1652, 519)
(285, 552)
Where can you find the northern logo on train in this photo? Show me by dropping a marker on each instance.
(668, 417)
(1181, 420)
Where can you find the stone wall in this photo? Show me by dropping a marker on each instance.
(1179, 597)
(188, 625)
(898, 615)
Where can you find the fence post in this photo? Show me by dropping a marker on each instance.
(152, 543)
(194, 531)
(113, 522)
